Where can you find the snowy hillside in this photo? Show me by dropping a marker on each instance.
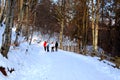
(31, 62)
(40, 65)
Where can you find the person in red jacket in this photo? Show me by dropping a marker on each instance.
(45, 44)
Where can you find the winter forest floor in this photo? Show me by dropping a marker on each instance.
(62, 65)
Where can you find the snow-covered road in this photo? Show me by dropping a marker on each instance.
(36, 64)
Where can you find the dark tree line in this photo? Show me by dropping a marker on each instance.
(45, 20)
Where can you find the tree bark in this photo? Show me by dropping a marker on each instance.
(96, 27)
(61, 34)
(20, 18)
(8, 30)
(2, 10)
(27, 21)
(93, 26)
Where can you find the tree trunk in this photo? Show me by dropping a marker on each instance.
(20, 18)
(116, 39)
(61, 33)
(2, 11)
(96, 27)
(27, 21)
(34, 16)
(93, 27)
(86, 29)
(79, 40)
(8, 30)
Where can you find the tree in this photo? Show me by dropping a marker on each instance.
(116, 39)
(80, 14)
(61, 16)
(95, 24)
(2, 10)
(26, 10)
(21, 9)
(10, 4)
(46, 22)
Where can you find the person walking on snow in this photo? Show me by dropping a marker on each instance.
(47, 47)
(56, 46)
(52, 47)
(45, 44)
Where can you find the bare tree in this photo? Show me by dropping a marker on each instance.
(10, 5)
(62, 13)
(2, 11)
(96, 26)
(20, 13)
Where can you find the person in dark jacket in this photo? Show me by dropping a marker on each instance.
(47, 47)
(56, 46)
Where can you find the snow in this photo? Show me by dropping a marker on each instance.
(31, 62)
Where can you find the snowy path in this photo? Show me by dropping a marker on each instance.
(66, 67)
(40, 65)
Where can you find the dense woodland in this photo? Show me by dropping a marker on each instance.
(89, 22)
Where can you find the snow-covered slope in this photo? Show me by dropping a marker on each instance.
(36, 64)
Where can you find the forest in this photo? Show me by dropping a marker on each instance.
(88, 22)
